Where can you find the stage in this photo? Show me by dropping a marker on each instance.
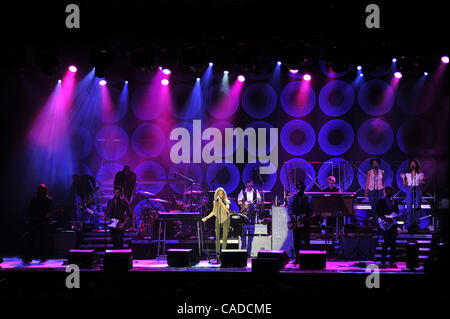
(155, 280)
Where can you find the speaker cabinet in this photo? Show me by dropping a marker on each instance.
(312, 259)
(181, 258)
(233, 258)
(83, 258)
(280, 255)
(117, 260)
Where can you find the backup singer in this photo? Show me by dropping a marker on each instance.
(374, 188)
(386, 206)
(413, 180)
(221, 210)
(118, 208)
(300, 205)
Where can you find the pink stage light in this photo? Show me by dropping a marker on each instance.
(166, 71)
(398, 75)
(444, 59)
(73, 68)
(241, 78)
(293, 71)
(102, 82)
(307, 77)
(165, 82)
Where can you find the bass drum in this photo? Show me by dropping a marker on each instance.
(237, 222)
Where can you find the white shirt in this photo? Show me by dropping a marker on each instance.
(410, 182)
(249, 196)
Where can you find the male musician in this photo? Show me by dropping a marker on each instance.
(118, 208)
(300, 207)
(80, 192)
(331, 181)
(38, 228)
(374, 188)
(413, 180)
(247, 197)
(126, 179)
(386, 206)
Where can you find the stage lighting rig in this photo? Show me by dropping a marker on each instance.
(143, 58)
(101, 59)
(48, 59)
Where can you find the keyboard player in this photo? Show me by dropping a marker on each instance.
(331, 181)
(328, 221)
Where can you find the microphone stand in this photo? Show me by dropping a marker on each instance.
(191, 181)
(263, 196)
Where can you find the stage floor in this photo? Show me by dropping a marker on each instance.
(332, 266)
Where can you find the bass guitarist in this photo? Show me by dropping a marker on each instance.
(300, 210)
(387, 211)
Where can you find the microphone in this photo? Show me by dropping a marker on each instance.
(218, 197)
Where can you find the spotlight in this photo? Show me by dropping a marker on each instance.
(361, 74)
(241, 78)
(425, 73)
(165, 82)
(102, 82)
(307, 77)
(225, 72)
(359, 67)
(394, 60)
(444, 59)
(210, 64)
(73, 68)
(279, 62)
(166, 71)
(293, 71)
(198, 79)
(126, 82)
(398, 75)
(59, 81)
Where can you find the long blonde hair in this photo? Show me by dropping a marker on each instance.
(225, 200)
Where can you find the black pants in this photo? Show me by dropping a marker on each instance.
(116, 238)
(389, 237)
(39, 237)
(301, 239)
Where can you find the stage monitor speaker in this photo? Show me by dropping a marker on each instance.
(279, 255)
(83, 258)
(265, 265)
(144, 249)
(63, 242)
(360, 248)
(181, 258)
(233, 258)
(117, 260)
(312, 259)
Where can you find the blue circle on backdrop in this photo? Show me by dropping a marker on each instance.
(148, 140)
(296, 104)
(336, 98)
(192, 171)
(81, 141)
(297, 137)
(251, 171)
(365, 166)
(148, 171)
(259, 100)
(324, 68)
(336, 137)
(119, 106)
(145, 103)
(297, 170)
(224, 175)
(186, 101)
(214, 98)
(111, 142)
(376, 97)
(346, 169)
(415, 136)
(233, 206)
(107, 173)
(415, 96)
(256, 125)
(375, 136)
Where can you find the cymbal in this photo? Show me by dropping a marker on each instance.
(265, 191)
(145, 193)
(159, 200)
(193, 192)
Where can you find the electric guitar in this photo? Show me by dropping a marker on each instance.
(245, 206)
(111, 222)
(90, 197)
(46, 220)
(391, 220)
(297, 221)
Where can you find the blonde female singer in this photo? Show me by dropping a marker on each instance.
(221, 210)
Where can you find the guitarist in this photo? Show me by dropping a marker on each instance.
(248, 196)
(386, 206)
(38, 231)
(300, 210)
(118, 208)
